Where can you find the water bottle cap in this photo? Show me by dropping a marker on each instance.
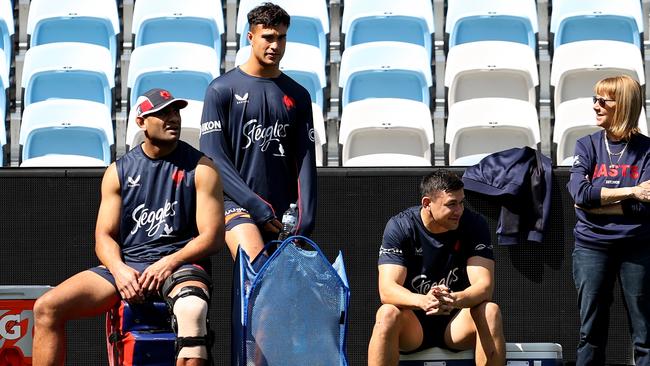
(293, 205)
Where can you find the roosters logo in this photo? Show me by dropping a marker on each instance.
(623, 170)
(288, 102)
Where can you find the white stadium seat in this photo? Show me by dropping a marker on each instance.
(491, 69)
(486, 125)
(388, 132)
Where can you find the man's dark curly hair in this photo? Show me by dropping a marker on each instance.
(268, 15)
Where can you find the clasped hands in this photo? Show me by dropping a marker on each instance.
(438, 301)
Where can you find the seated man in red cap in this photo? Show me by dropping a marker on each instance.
(160, 219)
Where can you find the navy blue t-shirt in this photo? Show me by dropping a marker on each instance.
(158, 202)
(434, 259)
(260, 134)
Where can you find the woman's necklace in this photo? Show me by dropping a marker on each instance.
(609, 152)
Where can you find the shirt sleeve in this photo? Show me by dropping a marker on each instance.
(214, 143)
(632, 207)
(480, 240)
(307, 177)
(584, 194)
(393, 245)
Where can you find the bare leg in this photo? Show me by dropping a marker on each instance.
(485, 321)
(394, 329)
(83, 295)
(246, 235)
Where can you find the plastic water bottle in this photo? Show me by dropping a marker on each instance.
(289, 221)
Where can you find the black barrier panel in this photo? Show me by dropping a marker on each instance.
(48, 218)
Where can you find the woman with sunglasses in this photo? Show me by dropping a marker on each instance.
(611, 189)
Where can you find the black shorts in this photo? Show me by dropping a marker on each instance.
(236, 215)
(433, 330)
(140, 267)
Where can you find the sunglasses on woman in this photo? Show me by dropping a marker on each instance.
(601, 101)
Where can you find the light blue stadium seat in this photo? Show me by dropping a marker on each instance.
(6, 31)
(68, 70)
(301, 62)
(185, 69)
(388, 20)
(385, 70)
(309, 22)
(67, 127)
(194, 21)
(574, 21)
(498, 20)
(94, 22)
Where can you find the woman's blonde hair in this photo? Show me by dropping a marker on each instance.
(629, 99)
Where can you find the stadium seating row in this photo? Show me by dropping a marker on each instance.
(384, 87)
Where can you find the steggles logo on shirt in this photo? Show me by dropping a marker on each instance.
(255, 132)
(152, 220)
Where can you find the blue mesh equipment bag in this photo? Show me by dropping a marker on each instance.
(292, 311)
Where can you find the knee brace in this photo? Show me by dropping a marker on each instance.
(189, 310)
(190, 322)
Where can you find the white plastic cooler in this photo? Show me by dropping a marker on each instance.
(517, 354)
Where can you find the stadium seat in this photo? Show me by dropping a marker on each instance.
(68, 70)
(83, 21)
(386, 132)
(388, 20)
(578, 66)
(481, 126)
(573, 21)
(62, 160)
(190, 126)
(497, 20)
(320, 133)
(67, 127)
(185, 69)
(309, 22)
(194, 21)
(385, 70)
(574, 119)
(491, 69)
(302, 63)
(6, 32)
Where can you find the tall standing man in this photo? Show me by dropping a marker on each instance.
(160, 218)
(436, 278)
(257, 126)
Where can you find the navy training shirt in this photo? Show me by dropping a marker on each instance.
(434, 259)
(260, 134)
(593, 170)
(158, 202)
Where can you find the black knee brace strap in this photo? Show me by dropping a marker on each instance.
(183, 275)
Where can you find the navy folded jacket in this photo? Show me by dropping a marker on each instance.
(521, 178)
